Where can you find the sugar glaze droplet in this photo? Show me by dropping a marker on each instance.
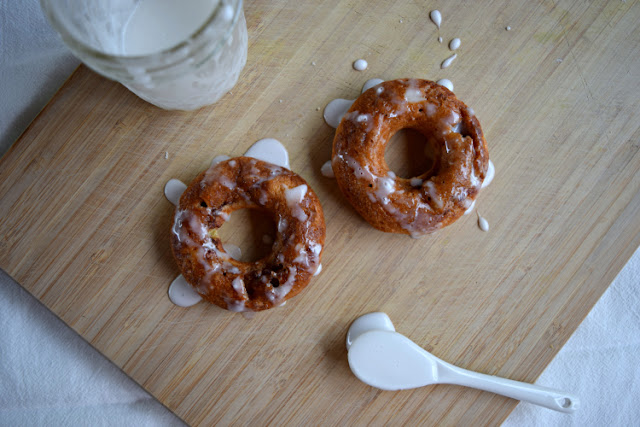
(436, 17)
(446, 83)
(327, 169)
(448, 61)
(182, 294)
(360, 65)
(270, 150)
(173, 189)
(482, 223)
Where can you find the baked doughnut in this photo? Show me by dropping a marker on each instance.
(432, 200)
(238, 183)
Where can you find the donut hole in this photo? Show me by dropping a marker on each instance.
(252, 230)
(410, 154)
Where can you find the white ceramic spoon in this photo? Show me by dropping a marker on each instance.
(388, 360)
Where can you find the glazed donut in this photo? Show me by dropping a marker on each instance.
(238, 183)
(432, 200)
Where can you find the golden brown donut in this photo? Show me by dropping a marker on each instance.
(238, 183)
(431, 200)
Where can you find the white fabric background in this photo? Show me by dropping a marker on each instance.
(50, 376)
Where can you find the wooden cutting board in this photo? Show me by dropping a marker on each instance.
(84, 225)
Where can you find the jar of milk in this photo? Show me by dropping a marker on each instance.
(178, 55)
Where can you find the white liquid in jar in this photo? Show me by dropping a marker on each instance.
(205, 73)
(157, 25)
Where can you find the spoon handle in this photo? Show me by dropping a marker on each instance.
(542, 396)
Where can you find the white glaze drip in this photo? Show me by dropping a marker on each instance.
(439, 39)
(413, 95)
(491, 172)
(454, 44)
(327, 169)
(235, 305)
(371, 83)
(282, 225)
(358, 170)
(281, 291)
(470, 208)
(318, 270)
(357, 117)
(436, 17)
(294, 197)
(308, 260)
(335, 111)
(173, 189)
(182, 294)
(218, 159)
(238, 285)
(448, 61)
(446, 83)
(482, 223)
(431, 191)
(270, 150)
(386, 186)
(360, 65)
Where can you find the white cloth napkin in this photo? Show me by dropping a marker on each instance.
(599, 363)
(50, 376)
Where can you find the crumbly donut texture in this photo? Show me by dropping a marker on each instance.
(432, 200)
(238, 183)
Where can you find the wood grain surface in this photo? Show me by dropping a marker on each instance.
(84, 225)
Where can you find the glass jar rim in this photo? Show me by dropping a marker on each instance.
(85, 48)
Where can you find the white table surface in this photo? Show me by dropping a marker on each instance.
(50, 376)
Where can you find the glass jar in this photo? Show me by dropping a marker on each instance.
(176, 55)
